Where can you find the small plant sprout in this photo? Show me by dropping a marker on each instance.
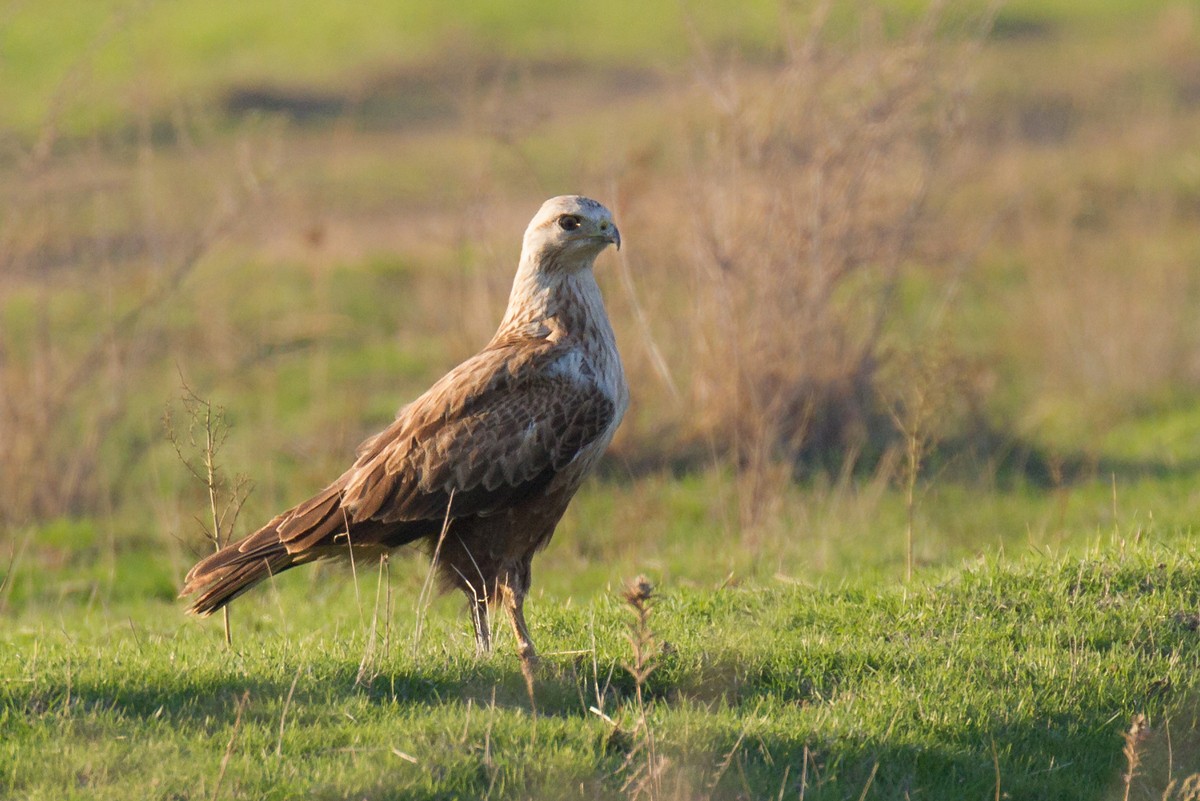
(197, 449)
(644, 781)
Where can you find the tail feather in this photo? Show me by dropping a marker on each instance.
(219, 588)
(316, 529)
(237, 567)
(288, 539)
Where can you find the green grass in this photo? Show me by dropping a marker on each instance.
(109, 58)
(198, 48)
(1046, 613)
(1033, 667)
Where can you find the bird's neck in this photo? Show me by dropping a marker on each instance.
(567, 295)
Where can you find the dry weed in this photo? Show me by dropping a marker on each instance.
(643, 763)
(1132, 751)
(207, 431)
(808, 187)
(920, 392)
(91, 255)
(1152, 758)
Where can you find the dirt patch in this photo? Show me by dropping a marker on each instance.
(432, 94)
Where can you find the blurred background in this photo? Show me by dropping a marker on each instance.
(903, 283)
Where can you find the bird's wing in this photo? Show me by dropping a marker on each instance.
(492, 432)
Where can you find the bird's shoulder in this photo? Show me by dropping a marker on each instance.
(509, 362)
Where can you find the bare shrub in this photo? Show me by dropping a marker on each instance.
(94, 244)
(808, 188)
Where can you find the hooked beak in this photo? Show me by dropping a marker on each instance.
(609, 232)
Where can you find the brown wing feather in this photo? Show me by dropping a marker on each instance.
(489, 447)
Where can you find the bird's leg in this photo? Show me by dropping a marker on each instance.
(514, 605)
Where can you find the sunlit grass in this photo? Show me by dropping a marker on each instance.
(161, 54)
(1056, 584)
(1020, 673)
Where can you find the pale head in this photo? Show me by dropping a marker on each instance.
(568, 232)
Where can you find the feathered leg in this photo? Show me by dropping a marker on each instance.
(514, 605)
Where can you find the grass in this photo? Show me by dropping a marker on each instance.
(1033, 668)
(1055, 590)
(199, 49)
(159, 54)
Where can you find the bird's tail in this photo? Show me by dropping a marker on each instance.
(290, 539)
(229, 572)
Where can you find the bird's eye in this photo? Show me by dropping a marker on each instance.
(568, 222)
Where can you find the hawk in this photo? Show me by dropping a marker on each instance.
(481, 467)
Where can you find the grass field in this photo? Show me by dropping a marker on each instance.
(309, 216)
(132, 52)
(1018, 678)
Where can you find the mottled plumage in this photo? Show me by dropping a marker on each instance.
(496, 448)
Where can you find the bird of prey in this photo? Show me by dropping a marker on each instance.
(482, 466)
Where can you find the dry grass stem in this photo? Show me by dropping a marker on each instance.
(365, 666)
(425, 596)
(926, 381)
(870, 781)
(237, 727)
(283, 712)
(1132, 751)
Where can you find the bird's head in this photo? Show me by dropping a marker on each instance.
(568, 232)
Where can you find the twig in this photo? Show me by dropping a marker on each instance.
(223, 516)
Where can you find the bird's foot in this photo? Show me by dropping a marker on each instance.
(529, 665)
(528, 653)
